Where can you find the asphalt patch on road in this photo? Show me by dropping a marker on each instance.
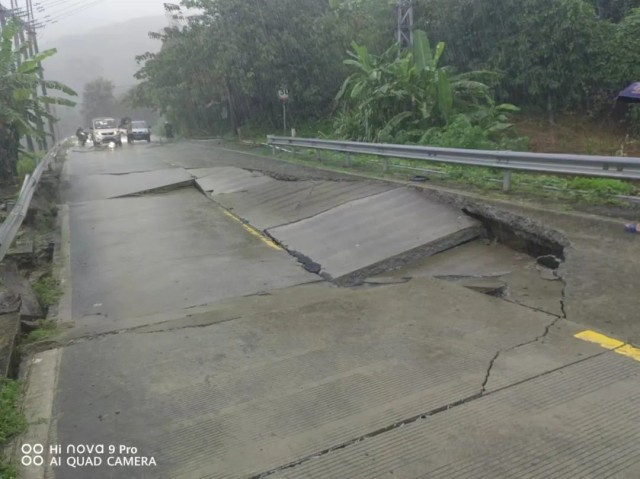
(306, 262)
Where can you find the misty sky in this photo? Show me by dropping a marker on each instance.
(78, 16)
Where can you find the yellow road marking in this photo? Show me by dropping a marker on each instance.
(606, 342)
(629, 351)
(253, 231)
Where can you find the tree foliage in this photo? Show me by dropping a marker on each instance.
(98, 99)
(614, 10)
(413, 97)
(226, 65)
(128, 106)
(552, 55)
(220, 69)
(23, 112)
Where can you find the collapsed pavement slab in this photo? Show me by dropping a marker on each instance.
(229, 180)
(114, 185)
(139, 256)
(276, 203)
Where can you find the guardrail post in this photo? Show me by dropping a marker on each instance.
(347, 160)
(385, 165)
(506, 181)
(270, 143)
(318, 155)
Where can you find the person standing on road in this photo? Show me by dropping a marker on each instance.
(168, 129)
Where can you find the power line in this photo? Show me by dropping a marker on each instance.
(63, 10)
(43, 6)
(62, 15)
(50, 4)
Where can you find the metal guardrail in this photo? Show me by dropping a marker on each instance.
(10, 226)
(620, 167)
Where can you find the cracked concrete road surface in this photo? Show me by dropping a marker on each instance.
(195, 337)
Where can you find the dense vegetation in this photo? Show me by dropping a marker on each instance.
(23, 110)
(221, 69)
(98, 99)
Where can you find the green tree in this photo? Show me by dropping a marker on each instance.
(623, 65)
(551, 55)
(230, 61)
(128, 107)
(222, 68)
(411, 92)
(22, 110)
(614, 10)
(98, 99)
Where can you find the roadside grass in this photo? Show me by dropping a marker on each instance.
(25, 166)
(48, 291)
(45, 329)
(12, 422)
(575, 134)
(569, 134)
(602, 191)
(68, 143)
(310, 129)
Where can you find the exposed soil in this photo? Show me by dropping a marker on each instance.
(32, 255)
(577, 134)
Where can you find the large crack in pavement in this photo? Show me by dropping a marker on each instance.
(533, 308)
(537, 338)
(162, 327)
(418, 417)
(513, 348)
(307, 263)
(488, 373)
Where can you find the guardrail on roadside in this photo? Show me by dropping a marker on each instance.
(10, 226)
(620, 167)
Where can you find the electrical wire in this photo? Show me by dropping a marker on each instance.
(70, 12)
(65, 9)
(50, 4)
(58, 4)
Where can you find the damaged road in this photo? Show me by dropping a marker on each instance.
(197, 338)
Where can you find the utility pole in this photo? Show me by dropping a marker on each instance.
(16, 38)
(33, 38)
(3, 18)
(28, 54)
(18, 41)
(404, 32)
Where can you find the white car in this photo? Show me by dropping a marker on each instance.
(105, 131)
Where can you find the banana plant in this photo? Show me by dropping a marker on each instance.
(411, 91)
(22, 111)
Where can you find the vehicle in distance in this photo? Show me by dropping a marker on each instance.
(138, 130)
(105, 131)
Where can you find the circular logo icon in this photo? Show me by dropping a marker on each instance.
(32, 455)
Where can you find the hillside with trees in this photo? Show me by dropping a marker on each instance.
(220, 67)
